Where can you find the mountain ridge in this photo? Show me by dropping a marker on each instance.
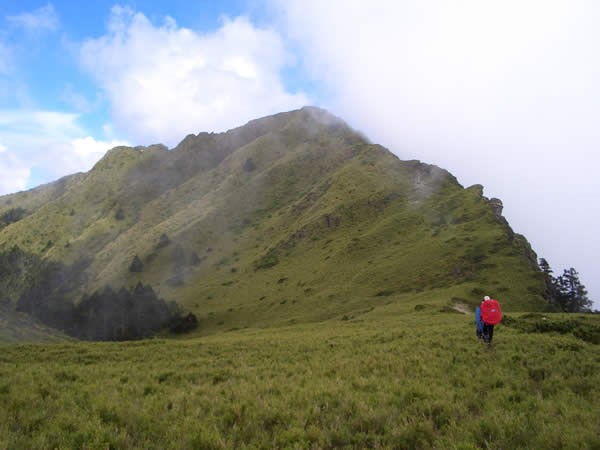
(291, 217)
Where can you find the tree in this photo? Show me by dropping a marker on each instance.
(571, 295)
(136, 264)
(185, 324)
(549, 280)
(120, 214)
(545, 267)
(163, 241)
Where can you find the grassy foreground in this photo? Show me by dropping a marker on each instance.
(380, 379)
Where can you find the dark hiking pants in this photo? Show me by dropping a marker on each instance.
(488, 333)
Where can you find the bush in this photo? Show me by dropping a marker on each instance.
(163, 241)
(185, 324)
(119, 214)
(537, 323)
(384, 293)
(269, 260)
(11, 216)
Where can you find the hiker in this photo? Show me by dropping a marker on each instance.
(490, 315)
(478, 323)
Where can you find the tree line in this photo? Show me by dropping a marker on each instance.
(50, 294)
(565, 291)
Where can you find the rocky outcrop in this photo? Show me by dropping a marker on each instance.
(497, 206)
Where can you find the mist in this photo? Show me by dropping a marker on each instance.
(503, 94)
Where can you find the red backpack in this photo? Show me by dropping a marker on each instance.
(490, 312)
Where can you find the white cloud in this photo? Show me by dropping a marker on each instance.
(164, 82)
(41, 19)
(500, 93)
(89, 150)
(48, 144)
(13, 175)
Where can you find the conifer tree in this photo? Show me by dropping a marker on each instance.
(571, 295)
(549, 280)
(136, 264)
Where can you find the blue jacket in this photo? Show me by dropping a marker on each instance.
(478, 320)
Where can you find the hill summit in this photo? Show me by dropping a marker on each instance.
(290, 218)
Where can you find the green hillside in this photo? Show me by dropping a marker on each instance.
(333, 285)
(401, 376)
(289, 219)
(18, 327)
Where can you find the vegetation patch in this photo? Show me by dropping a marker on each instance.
(270, 259)
(421, 381)
(384, 293)
(13, 215)
(586, 328)
(104, 315)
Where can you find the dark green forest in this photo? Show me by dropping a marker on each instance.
(49, 295)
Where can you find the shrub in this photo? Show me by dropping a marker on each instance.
(537, 323)
(384, 293)
(11, 216)
(270, 259)
(185, 324)
(163, 241)
(119, 214)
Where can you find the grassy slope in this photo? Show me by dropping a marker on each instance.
(390, 377)
(34, 199)
(369, 251)
(19, 327)
(350, 225)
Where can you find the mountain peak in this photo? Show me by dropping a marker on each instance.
(293, 216)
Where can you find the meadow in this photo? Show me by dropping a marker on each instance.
(409, 375)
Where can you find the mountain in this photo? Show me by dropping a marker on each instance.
(290, 218)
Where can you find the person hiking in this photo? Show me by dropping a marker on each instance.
(491, 315)
(478, 323)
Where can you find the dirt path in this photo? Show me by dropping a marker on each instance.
(461, 307)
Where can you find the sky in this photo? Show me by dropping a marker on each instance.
(500, 93)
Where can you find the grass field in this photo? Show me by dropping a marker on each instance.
(397, 376)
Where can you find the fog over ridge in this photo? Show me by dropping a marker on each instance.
(502, 94)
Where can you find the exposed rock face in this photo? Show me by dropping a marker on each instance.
(497, 206)
(495, 203)
(426, 178)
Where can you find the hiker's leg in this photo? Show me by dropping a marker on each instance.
(486, 333)
(491, 333)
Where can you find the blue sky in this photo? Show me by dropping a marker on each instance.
(41, 70)
(504, 94)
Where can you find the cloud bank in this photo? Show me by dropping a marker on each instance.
(48, 144)
(505, 94)
(164, 82)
